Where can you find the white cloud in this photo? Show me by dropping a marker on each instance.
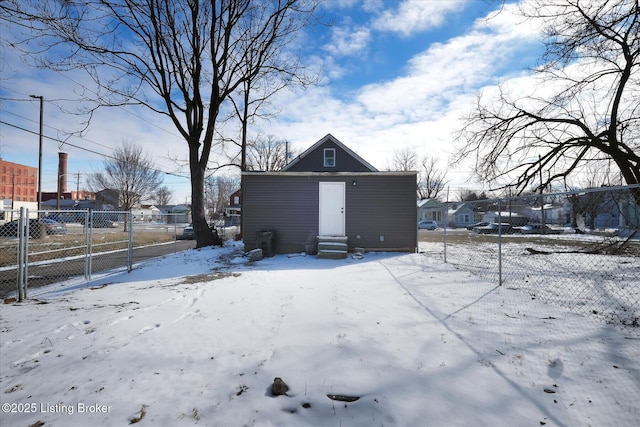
(438, 76)
(418, 108)
(412, 16)
(347, 42)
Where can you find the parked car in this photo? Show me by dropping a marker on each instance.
(477, 224)
(54, 227)
(67, 217)
(427, 225)
(10, 229)
(187, 233)
(49, 226)
(495, 228)
(99, 221)
(537, 229)
(103, 223)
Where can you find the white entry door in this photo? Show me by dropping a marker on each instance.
(332, 208)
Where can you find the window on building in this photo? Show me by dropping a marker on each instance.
(330, 157)
(435, 216)
(464, 218)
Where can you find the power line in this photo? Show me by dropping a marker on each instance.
(84, 148)
(87, 89)
(28, 119)
(56, 139)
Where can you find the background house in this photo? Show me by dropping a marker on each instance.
(431, 210)
(460, 215)
(146, 213)
(330, 191)
(175, 214)
(233, 211)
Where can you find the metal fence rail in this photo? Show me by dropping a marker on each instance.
(578, 250)
(72, 246)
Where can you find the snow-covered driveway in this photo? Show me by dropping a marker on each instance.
(197, 338)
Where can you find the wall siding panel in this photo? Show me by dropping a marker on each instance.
(380, 204)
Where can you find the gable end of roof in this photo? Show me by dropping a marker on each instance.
(329, 137)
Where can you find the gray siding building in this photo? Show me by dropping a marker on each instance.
(329, 191)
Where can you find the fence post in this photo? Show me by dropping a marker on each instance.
(87, 255)
(175, 235)
(21, 257)
(444, 235)
(499, 243)
(130, 243)
(90, 219)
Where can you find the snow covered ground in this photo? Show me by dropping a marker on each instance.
(563, 273)
(198, 338)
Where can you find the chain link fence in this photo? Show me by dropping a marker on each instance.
(578, 250)
(64, 247)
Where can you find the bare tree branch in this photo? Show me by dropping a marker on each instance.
(129, 173)
(591, 60)
(183, 59)
(431, 180)
(266, 154)
(404, 160)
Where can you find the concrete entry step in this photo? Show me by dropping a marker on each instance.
(332, 247)
(332, 254)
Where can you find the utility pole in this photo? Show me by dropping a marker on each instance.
(40, 152)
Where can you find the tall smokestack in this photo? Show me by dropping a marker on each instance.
(62, 173)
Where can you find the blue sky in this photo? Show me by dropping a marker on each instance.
(395, 74)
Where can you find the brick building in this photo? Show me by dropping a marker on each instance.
(18, 182)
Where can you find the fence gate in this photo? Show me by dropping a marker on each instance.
(38, 248)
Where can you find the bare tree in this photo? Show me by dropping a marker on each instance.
(431, 180)
(268, 71)
(226, 186)
(267, 154)
(162, 196)
(210, 195)
(404, 160)
(130, 173)
(590, 110)
(219, 190)
(180, 58)
(601, 174)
